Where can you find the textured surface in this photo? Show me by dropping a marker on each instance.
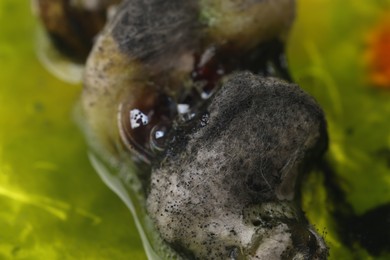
(146, 30)
(259, 135)
(325, 55)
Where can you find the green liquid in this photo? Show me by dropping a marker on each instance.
(52, 203)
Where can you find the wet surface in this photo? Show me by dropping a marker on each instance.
(370, 230)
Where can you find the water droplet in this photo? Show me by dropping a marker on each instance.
(159, 134)
(158, 137)
(143, 124)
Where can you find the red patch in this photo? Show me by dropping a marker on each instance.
(378, 53)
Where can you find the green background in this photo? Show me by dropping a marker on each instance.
(327, 54)
(54, 206)
(52, 203)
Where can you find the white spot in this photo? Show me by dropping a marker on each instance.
(207, 56)
(205, 95)
(159, 134)
(183, 108)
(137, 118)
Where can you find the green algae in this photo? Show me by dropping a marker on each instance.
(326, 55)
(52, 203)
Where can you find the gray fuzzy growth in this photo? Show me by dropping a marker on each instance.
(148, 29)
(226, 186)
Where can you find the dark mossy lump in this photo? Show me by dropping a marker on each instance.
(230, 184)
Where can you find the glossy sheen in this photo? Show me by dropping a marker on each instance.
(152, 48)
(140, 51)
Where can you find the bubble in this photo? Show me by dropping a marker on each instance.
(143, 125)
(158, 137)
